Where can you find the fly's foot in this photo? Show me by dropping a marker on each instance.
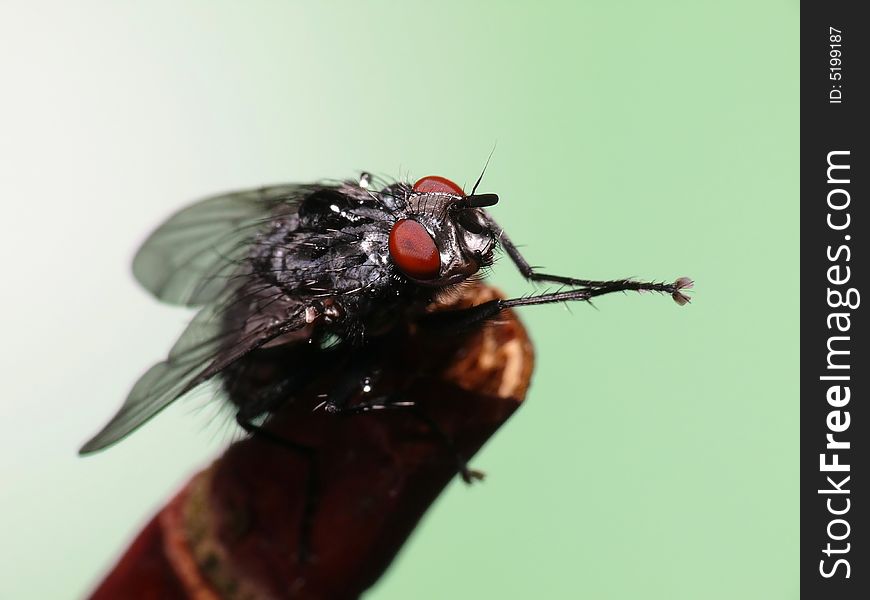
(469, 476)
(683, 283)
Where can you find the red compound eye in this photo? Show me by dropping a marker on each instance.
(414, 251)
(435, 183)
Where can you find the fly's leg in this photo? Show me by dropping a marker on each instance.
(462, 318)
(468, 474)
(531, 274)
(355, 378)
(309, 506)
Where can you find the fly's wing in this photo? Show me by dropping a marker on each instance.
(190, 258)
(196, 258)
(205, 348)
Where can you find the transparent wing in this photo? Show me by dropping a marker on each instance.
(205, 348)
(189, 258)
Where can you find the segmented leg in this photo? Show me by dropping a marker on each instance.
(468, 475)
(309, 507)
(531, 274)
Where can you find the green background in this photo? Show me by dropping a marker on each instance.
(657, 453)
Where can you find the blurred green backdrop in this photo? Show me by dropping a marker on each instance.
(657, 453)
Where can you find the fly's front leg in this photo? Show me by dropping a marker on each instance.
(531, 274)
(447, 321)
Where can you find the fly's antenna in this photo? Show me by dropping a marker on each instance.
(478, 201)
(474, 200)
(479, 179)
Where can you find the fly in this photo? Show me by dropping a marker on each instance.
(303, 282)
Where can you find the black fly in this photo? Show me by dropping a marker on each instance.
(318, 267)
(299, 282)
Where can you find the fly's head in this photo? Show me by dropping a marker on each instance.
(444, 236)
